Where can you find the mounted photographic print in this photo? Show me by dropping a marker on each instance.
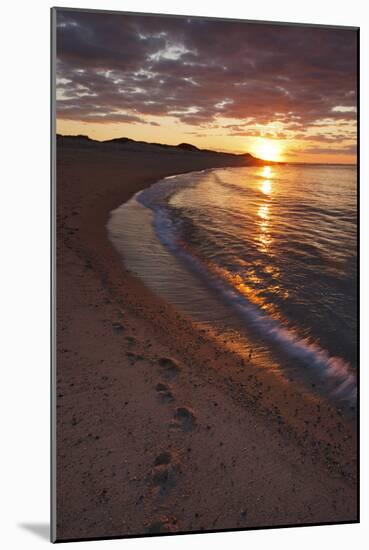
(204, 274)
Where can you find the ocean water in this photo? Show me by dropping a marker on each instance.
(260, 256)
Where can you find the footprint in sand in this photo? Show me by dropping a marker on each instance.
(164, 392)
(164, 458)
(134, 357)
(117, 327)
(184, 419)
(170, 367)
(165, 472)
(164, 524)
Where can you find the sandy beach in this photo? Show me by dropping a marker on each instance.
(159, 429)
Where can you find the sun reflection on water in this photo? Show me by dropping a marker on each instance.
(263, 237)
(263, 211)
(267, 172)
(266, 186)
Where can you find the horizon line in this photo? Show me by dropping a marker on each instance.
(212, 150)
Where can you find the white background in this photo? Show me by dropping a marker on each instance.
(24, 272)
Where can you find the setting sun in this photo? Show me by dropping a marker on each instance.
(268, 150)
(266, 186)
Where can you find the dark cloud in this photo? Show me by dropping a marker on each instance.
(123, 67)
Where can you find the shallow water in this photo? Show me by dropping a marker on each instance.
(261, 252)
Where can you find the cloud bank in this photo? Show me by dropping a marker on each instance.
(127, 68)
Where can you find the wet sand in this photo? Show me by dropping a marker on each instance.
(160, 429)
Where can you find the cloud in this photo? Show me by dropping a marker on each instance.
(346, 150)
(119, 67)
(344, 109)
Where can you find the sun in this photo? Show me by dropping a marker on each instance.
(268, 149)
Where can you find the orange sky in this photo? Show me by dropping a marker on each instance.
(287, 150)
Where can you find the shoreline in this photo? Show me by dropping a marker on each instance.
(178, 264)
(145, 346)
